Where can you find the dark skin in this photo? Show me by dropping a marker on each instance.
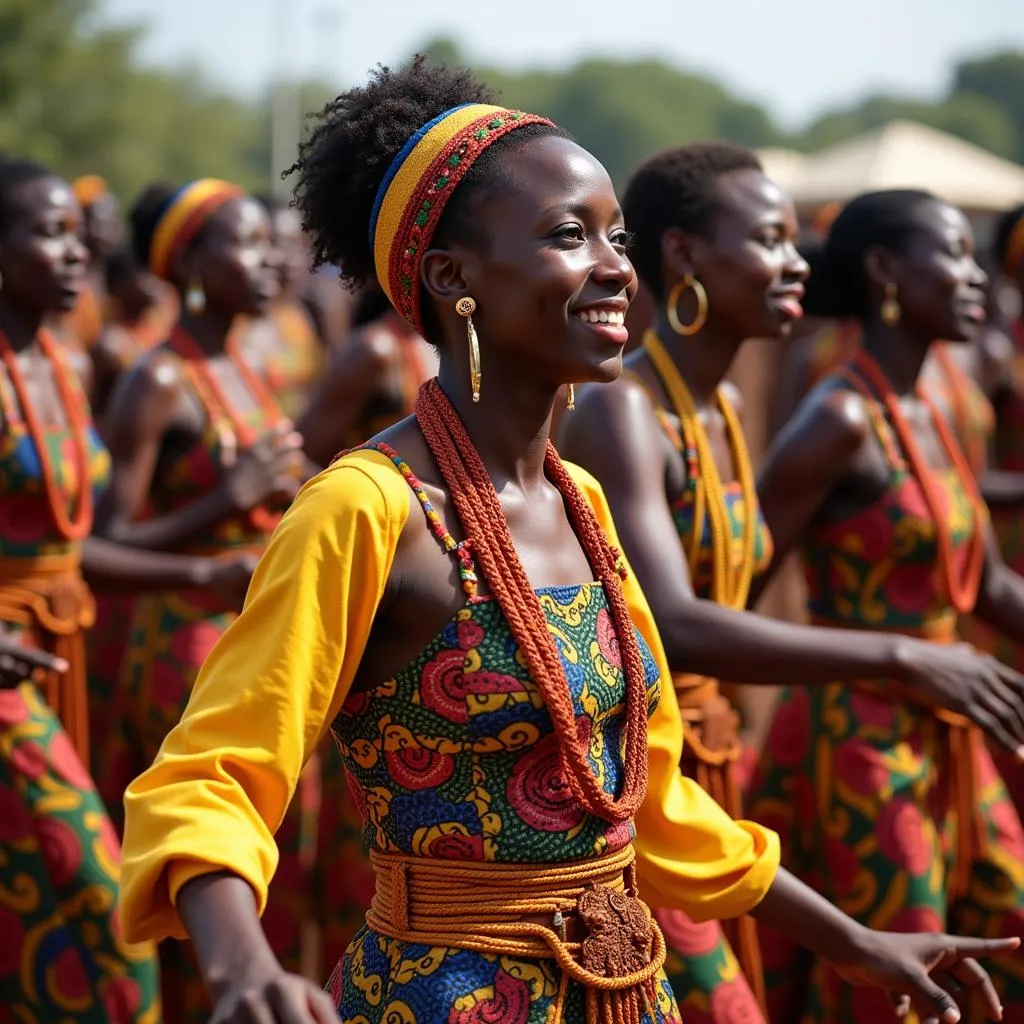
(986, 360)
(155, 413)
(828, 465)
(137, 293)
(753, 275)
(366, 375)
(43, 264)
(554, 247)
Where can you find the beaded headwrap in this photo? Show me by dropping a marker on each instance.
(184, 216)
(417, 187)
(1014, 247)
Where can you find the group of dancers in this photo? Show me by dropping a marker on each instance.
(319, 661)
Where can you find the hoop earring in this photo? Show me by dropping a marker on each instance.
(570, 397)
(195, 297)
(467, 307)
(890, 311)
(673, 306)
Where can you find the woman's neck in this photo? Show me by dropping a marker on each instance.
(19, 324)
(702, 359)
(210, 330)
(899, 355)
(509, 426)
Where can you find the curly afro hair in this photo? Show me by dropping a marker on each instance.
(342, 164)
(676, 189)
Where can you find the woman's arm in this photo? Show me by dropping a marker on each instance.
(142, 410)
(614, 435)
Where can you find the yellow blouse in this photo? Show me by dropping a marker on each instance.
(275, 681)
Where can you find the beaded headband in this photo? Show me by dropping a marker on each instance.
(417, 187)
(188, 210)
(1015, 247)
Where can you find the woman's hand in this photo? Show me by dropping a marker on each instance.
(19, 664)
(959, 678)
(275, 998)
(926, 971)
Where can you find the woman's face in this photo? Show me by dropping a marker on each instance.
(103, 231)
(748, 262)
(293, 252)
(548, 268)
(235, 260)
(43, 261)
(939, 285)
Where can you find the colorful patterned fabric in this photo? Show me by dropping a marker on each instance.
(859, 784)
(456, 757)
(702, 967)
(61, 956)
(169, 637)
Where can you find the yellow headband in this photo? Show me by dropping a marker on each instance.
(417, 187)
(189, 209)
(1014, 248)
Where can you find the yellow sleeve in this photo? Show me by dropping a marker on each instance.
(689, 853)
(265, 696)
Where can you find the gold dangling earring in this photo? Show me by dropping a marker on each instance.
(890, 311)
(467, 307)
(195, 297)
(673, 306)
(570, 397)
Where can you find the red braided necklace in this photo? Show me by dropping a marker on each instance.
(231, 425)
(487, 531)
(872, 382)
(79, 525)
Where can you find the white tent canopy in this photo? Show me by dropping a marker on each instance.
(903, 154)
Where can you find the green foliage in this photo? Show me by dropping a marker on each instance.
(74, 96)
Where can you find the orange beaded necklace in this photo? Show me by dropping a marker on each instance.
(869, 379)
(233, 430)
(70, 527)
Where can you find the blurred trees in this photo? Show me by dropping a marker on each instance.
(74, 96)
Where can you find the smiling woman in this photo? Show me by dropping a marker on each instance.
(450, 601)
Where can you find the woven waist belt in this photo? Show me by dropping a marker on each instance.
(584, 915)
(48, 595)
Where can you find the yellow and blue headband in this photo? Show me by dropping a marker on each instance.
(418, 185)
(187, 211)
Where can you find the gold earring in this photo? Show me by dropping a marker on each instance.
(570, 397)
(467, 307)
(890, 311)
(195, 297)
(673, 306)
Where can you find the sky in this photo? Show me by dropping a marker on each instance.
(797, 57)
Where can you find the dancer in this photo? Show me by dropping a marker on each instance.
(64, 958)
(890, 809)
(284, 345)
(714, 243)
(491, 699)
(203, 461)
